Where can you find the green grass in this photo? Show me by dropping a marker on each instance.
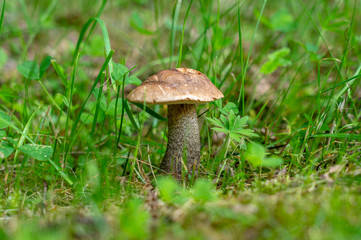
(280, 155)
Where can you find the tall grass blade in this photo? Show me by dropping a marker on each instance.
(74, 130)
(58, 169)
(100, 93)
(338, 135)
(105, 38)
(2, 16)
(130, 115)
(341, 83)
(181, 41)
(150, 111)
(123, 109)
(176, 11)
(241, 97)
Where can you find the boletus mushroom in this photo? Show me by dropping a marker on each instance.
(180, 89)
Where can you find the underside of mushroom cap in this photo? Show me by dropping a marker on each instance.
(176, 86)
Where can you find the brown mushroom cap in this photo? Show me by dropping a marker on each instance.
(176, 86)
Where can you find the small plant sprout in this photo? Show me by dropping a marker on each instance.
(181, 89)
(232, 124)
(256, 156)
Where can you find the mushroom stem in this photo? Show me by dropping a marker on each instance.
(183, 137)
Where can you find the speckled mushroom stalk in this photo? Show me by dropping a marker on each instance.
(183, 139)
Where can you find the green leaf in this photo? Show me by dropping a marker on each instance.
(133, 80)
(87, 118)
(111, 107)
(275, 60)
(61, 99)
(272, 162)
(225, 122)
(235, 137)
(279, 54)
(12, 141)
(231, 123)
(218, 103)
(29, 69)
(6, 119)
(269, 67)
(44, 65)
(221, 130)
(39, 152)
(233, 126)
(5, 149)
(246, 132)
(232, 119)
(216, 122)
(137, 23)
(282, 21)
(240, 122)
(119, 70)
(228, 108)
(103, 101)
(255, 154)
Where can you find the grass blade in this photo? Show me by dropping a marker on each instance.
(100, 93)
(74, 129)
(341, 83)
(241, 97)
(130, 115)
(60, 71)
(24, 134)
(181, 41)
(105, 37)
(150, 111)
(176, 11)
(58, 169)
(338, 135)
(2, 15)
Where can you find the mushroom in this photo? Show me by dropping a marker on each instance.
(181, 89)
